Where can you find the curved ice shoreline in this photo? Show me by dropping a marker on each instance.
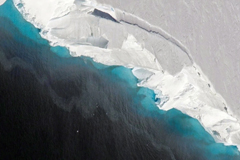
(189, 90)
(2, 1)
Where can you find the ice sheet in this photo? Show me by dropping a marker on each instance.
(160, 61)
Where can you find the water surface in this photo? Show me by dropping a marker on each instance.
(54, 106)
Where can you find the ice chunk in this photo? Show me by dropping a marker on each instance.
(2, 1)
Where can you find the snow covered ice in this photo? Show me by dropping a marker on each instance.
(159, 60)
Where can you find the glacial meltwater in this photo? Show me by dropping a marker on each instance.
(54, 106)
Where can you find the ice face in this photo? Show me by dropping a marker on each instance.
(134, 42)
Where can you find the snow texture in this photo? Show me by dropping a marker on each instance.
(167, 45)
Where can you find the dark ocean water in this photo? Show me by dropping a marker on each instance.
(54, 106)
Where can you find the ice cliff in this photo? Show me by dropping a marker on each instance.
(172, 48)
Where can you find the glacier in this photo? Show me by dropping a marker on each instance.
(158, 59)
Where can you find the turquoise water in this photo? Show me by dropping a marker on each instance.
(9, 11)
(172, 121)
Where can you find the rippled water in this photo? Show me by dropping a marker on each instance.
(54, 106)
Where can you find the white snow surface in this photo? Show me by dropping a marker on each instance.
(159, 60)
(2, 2)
